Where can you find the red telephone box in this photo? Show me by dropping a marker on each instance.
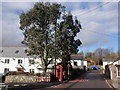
(59, 73)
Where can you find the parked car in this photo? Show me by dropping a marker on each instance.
(95, 67)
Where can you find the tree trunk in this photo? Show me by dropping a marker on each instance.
(43, 65)
(44, 69)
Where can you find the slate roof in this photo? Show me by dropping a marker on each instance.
(76, 58)
(13, 52)
(109, 59)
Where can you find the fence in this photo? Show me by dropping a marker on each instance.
(43, 78)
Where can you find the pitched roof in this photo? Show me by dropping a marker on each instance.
(13, 52)
(76, 58)
(117, 62)
(109, 59)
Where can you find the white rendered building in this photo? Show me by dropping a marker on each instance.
(78, 62)
(15, 59)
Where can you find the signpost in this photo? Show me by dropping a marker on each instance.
(68, 71)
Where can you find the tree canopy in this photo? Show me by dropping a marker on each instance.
(49, 31)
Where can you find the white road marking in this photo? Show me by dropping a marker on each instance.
(108, 84)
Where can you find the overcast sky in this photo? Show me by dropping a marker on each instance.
(98, 19)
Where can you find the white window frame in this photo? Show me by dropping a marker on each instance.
(7, 70)
(7, 61)
(20, 61)
(32, 70)
(31, 61)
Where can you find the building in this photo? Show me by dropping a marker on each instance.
(15, 59)
(112, 72)
(115, 69)
(107, 61)
(78, 62)
(112, 68)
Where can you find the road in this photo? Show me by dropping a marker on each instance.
(91, 80)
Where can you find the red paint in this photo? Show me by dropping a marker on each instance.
(59, 73)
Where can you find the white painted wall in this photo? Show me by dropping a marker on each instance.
(117, 62)
(14, 63)
(106, 63)
(25, 63)
(85, 63)
(80, 63)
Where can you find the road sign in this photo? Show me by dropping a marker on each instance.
(68, 65)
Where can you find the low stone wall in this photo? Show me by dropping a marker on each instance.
(20, 79)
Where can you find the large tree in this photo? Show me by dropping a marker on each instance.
(45, 36)
(65, 38)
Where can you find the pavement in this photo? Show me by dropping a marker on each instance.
(115, 83)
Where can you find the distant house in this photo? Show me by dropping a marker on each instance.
(107, 61)
(15, 59)
(78, 62)
(112, 68)
(115, 64)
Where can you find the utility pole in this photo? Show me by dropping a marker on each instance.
(55, 53)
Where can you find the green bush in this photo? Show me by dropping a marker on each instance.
(20, 73)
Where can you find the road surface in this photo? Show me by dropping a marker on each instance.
(91, 80)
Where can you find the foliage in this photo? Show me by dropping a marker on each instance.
(65, 37)
(45, 36)
(101, 53)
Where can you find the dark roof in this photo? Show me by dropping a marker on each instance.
(109, 59)
(13, 52)
(76, 58)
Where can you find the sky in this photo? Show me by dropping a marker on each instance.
(99, 22)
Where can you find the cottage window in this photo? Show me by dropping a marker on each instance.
(6, 70)
(7, 61)
(31, 61)
(118, 70)
(32, 70)
(75, 63)
(19, 61)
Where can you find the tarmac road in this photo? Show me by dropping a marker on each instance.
(90, 80)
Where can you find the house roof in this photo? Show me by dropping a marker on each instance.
(76, 58)
(117, 62)
(109, 59)
(13, 52)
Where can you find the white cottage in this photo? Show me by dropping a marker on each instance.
(15, 59)
(112, 67)
(107, 62)
(78, 62)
